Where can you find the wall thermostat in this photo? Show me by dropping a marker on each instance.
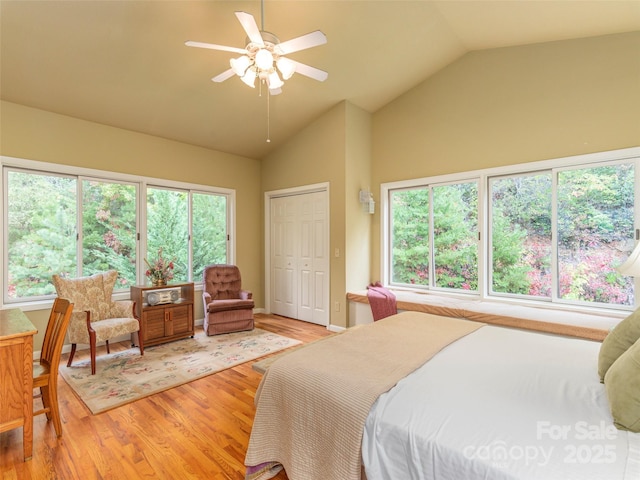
(157, 297)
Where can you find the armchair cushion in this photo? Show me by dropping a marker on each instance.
(114, 327)
(229, 304)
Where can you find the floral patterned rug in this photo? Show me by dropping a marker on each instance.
(127, 376)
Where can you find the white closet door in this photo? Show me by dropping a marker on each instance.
(305, 257)
(320, 260)
(283, 264)
(299, 257)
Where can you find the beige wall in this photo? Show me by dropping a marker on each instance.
(357, 177)
(336, 148)
(38, 135)
(489, 108)
(511, 105)
(316, 155)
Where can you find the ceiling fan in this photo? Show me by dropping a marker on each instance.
(264, 57)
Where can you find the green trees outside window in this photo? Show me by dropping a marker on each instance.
(454, 220)
(209, 231)
(595, 233)
(168, 228)
(554, 235)
(410, 244)
(520, 212)
(109, 230)
(41, 231)
(77, 226)
(455, 235)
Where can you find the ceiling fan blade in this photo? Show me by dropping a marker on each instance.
(251, 27)
(223, 76)
(311, 72)
(275, 91)
(309, 40)
(213, 46)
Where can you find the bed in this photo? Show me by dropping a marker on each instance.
(419, 396)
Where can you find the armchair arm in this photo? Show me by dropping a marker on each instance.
(89, 327)
(246, 295)
(206, 298)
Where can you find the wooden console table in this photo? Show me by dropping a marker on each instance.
(16, 375)
(164, 322)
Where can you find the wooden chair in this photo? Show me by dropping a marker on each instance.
(97, 317)
(45, 372)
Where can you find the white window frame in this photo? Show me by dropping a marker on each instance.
(141, 182)
(587, 160)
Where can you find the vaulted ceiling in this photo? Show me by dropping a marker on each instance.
(124, 63)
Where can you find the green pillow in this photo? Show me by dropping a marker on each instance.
(622, 383)
(618, 341)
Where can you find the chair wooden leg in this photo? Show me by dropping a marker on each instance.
(54, 410)
(140, 343)
(49, 397)
(46, 401)
(92, 349)
(73, 352)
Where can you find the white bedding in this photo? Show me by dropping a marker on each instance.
(500, 404)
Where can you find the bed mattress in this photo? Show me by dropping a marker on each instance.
(501, 404)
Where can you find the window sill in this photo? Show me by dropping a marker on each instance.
(561, 322)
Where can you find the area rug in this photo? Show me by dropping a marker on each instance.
(127, 376)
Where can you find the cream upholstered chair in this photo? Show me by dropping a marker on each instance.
(96, 316)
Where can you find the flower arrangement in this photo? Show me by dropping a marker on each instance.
(160, 271)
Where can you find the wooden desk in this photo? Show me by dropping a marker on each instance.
(16, 375)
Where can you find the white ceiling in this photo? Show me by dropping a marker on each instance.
(124, 63)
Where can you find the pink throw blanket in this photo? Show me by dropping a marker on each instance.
(382, 301)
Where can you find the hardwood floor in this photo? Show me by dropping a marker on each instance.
(194, 431)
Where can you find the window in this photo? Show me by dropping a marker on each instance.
(442, 219)
(209, 231)
(109, 230)
(520, 212)
(455, 236)
(73, 222)
(168, 228)
(595, 233)
(556, 231)
(410, 236)
(40, 231)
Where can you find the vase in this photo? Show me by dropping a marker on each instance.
(158, 282)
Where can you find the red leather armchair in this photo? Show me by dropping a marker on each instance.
(227, 308)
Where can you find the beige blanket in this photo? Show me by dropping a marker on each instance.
(313, 402)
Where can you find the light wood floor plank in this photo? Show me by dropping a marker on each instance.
(194, 431)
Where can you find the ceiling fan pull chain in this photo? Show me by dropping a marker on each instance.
(268, 119)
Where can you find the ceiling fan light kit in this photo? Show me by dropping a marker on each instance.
(240, 65)
(261, 61)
